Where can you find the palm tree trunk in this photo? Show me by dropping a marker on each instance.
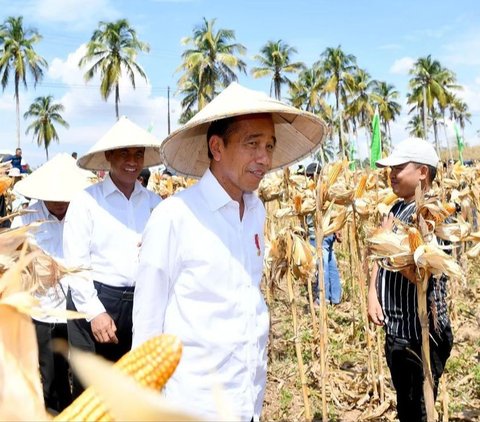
(46, 152)
(17, 107)
(435, 135)
(117, 99)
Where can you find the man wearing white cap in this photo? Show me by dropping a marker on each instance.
(53, 185)
(103, 230)
(201, 258)
(392, 297)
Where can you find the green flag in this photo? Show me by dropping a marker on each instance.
(376, 145)
(460, 144)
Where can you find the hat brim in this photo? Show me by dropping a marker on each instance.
(97, 160)
(57, 180)
(123, 134)
(390, 162)
(298, 133)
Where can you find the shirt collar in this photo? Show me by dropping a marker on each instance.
(109, 187)
(217, 197)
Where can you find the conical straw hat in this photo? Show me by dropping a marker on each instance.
(298, 132)
(123, 134)
(59, 179)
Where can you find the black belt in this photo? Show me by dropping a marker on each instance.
(121, 292)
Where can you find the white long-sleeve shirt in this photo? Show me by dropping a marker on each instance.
(102, 235)
(198, 278)
(48, 237)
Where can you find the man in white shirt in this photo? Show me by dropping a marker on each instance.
(103, 228)
(201, 258)
(53, 185)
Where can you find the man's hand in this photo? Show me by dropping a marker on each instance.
(338, 237)
(388, 222)
(375, 313)
(103, 328)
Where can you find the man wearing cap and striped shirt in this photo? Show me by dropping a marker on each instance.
(392, 297)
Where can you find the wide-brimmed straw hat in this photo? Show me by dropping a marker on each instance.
(59, 179)
(123, 134)
(298, 132)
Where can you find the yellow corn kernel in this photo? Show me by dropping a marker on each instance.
(151, 364)
(414, 239)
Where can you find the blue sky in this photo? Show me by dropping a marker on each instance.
(386, 37)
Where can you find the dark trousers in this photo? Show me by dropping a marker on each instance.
(118, 302)
(53, 366)
(404, 358)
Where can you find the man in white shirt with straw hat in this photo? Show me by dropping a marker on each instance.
(103, 230)
(201, 258)
(53, 185)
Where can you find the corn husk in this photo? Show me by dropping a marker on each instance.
(436, 261)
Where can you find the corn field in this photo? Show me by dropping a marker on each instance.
(325, 362)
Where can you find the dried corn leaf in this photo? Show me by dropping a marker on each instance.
(21, 394)
(436, 261)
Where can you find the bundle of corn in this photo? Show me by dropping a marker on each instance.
(39, 272)
(165, 185)
(23, 269)
(271, 187)
(151, 365)
(400, 249)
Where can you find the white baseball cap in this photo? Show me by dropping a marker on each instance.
(413, 150)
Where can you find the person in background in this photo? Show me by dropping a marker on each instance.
(331, 275)
(144, 177)
(103, 229)
(16, 160)
(53, 185)
(201, 258)
(392, 296)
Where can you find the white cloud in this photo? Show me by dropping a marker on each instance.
(471, 95)
(463, 51)
(402, 66)
(77, 14)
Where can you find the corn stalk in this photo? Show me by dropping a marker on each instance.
(363, 303)
(323, 333)
(296, 333)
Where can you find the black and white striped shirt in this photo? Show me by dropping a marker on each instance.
(398, 295)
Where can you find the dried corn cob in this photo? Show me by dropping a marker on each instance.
(151, 364)
(414, 239)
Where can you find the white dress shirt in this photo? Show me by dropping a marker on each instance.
(102, 235)
(48, 237)
(198, 278)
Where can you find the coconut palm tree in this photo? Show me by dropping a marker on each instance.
(338, 68)
(360, 107)
(459, 111)
(416, 126)
(430, 83)
(45, 114)
(17, 56)
(113, 49)
(275, 61)
(384, 96)
(210, 62)
(308, 91)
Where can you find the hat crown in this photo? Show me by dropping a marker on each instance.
(411, 149)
